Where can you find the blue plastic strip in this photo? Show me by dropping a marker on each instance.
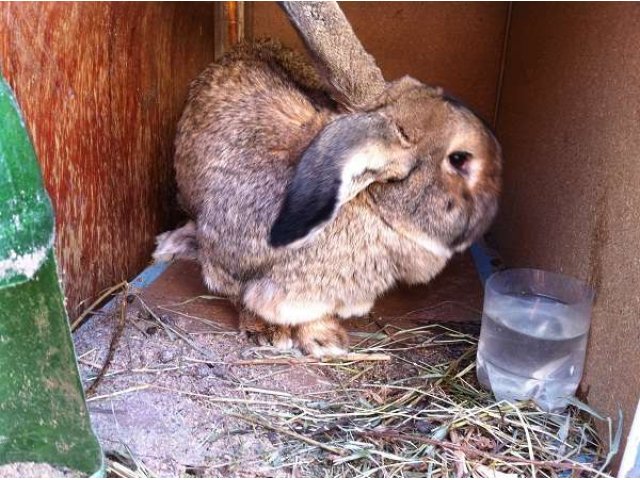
(482, 260)
(149, 275)
(144, 279)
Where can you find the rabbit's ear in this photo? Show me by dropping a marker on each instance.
(350, 153)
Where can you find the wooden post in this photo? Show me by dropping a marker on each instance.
(229, 26)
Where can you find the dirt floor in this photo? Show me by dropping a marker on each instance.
(185, 394)
(36, 470)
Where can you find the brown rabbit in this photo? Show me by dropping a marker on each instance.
(305, 214)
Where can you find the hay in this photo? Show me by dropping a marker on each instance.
(435, 423)
(406, 417)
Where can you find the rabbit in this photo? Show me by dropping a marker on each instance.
(304, 212)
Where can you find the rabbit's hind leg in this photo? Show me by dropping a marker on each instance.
(180, 243)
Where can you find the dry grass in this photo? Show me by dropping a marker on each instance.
(408, 417)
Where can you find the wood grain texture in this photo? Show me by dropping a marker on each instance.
(102, 86)
(455, 45)
(568, 121)
(229, 26)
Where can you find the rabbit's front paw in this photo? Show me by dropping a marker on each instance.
(322, 338)
(265, 334)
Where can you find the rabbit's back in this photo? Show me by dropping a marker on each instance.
(245, 123)
(246, 107)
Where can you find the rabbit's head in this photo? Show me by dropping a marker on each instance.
(431, 169)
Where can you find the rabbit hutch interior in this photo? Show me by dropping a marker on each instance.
(277, 269)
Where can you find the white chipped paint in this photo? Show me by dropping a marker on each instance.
(9, 93)
(26, 264)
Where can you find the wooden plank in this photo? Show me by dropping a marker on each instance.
(229, 26)
(102, 86)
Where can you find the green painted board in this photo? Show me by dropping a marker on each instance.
(43, 415)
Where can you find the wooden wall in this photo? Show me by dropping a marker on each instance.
(101, 86)
(569, 122)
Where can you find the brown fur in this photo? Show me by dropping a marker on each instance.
(250, 136)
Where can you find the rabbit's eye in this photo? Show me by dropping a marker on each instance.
(403, 133)
(458, 160)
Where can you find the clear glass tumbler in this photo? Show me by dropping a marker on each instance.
(534, 336)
